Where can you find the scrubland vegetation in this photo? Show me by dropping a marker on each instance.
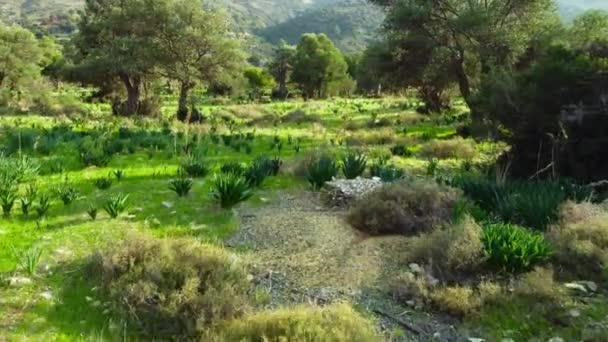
(160, 182)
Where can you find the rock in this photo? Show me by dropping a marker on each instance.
(590, 285)
(507, 340)
(342, 192)
(476, 339)
(556, 339)
(416, 269)
(167, 205)
(576, 287)
(437, 335)
(47, 295)
(250, 277)
(574, 313)
(19, 281)
(410, 303)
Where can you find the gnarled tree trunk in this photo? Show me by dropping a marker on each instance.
(133, 86)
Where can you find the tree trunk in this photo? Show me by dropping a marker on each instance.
(463, 81)
(133, 84)
(182, 104)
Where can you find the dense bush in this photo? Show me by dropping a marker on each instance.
(321, 170)
(457, 148)
(404, 208)
(532, 204)
(581, 239)
(452, 250)
(513, 248)
(353, 165)
(116, 205)
(230, 189)
(195, 167)
(181, 186)
(387, 173)
(170, 289)
(401, 151)
(233, 167)
(336, 323)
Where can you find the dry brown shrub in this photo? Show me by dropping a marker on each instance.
(540, 285)
(581, 239)
(171, 289)
(299, 117)
(457, 148)
(407, 207)
(450, 251)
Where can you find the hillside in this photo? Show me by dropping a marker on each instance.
(349, 22)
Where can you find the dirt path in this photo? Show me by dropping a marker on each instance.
(306, 253)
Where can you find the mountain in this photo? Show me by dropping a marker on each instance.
(350, 23)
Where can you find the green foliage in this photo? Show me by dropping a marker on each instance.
(92, 212)
(407, 207)
(260, 82)
(321, 169)
(319, 68)
(8, 196)
(31, 192)
(43, 206)
(67, 193)
(261, 168)
(387, 173)
(230, 189)
(103, 183)
(401, 151)
(29, 259)
(195, 167)
(181, 186)
(514, 248)
(116, 204)
(233, 167)
(354, 165)
(119, 174)
(170, 289)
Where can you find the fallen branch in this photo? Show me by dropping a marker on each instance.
(399, 321)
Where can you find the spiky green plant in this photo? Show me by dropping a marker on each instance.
(103, 183)
(43, 206)
(321, 170)
(181, 186)
(387, 173)
(230, 189)
(92, 211)
(194, 167)
(67, 193)
(119, 174)
(233, 167)
(29, 259)
(514, 248)
(116, 205)
(8, 196)
(354, 165)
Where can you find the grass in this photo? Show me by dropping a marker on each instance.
(67, 234)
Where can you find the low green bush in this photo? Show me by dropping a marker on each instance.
(335, 323)
(354, 165)
(387, 173)
(406, 207)
(320, 170)
(514, 248)
(116, 205)
(457, 148)
(230, 189)
(233, 167)
(103, 183)
(194, 167)
(167, 289)
(181, 186)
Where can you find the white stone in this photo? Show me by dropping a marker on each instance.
(476, 339)
(417, 269)
(19, 281)
(576, 286)
(590, 285)
(556, 339)
(47, 295)
(574, 313)
(167, 204)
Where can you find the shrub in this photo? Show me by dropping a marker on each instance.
(43, 206)
(170, 289)
(119, 174)
(457, 148)
(540, 285)
(8, 196)
(452, 250)
(404, 208)
(233, 167)
(387, 173)
(299, 117)
(513, 248)
(456, 300)
(92, 212)
(581, 239)
(320, 170)
(29, 259)
(353, 165)
(181, 186)
(257, 172)
(335, 323)
(230, 189)
(67, 193)
(401, 151)
(116, 205)
(194, 167)
(103, 183)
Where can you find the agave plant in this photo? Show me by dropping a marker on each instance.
(353, 165)
(119, 174)
(43, 205)
(29, 259)
(8, 196)
(103, 183)
(194, 167)
(230, 189)
(116, 205)
(233, 167)
(67, 193)
(181, 186)
(321, 170)
(92, 211)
